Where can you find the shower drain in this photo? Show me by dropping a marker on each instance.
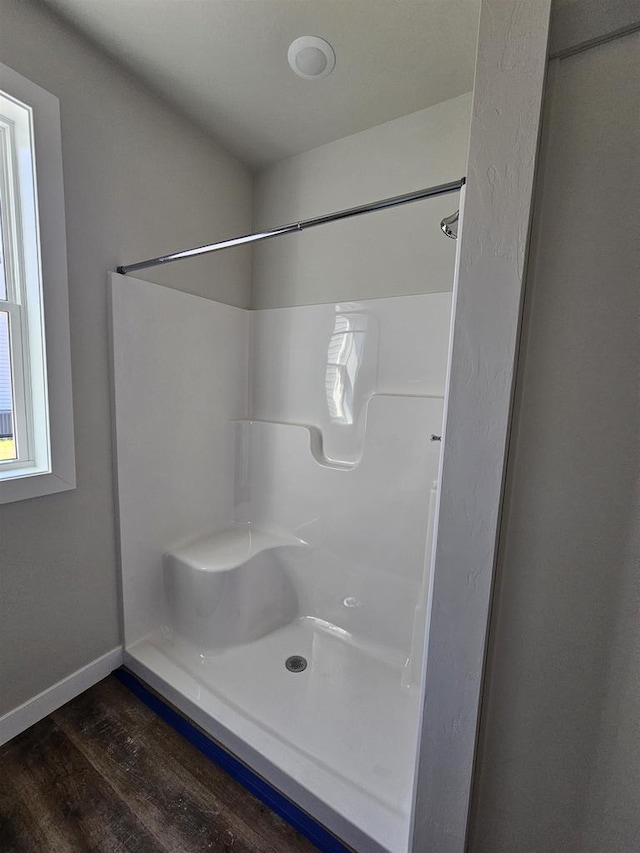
(296, 663)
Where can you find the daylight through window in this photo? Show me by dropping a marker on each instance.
(24, 426)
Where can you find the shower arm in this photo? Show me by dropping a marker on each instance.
(383, 204)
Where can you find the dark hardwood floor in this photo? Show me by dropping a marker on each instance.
(105, 775)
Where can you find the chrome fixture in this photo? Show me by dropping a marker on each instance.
(296, 663)
(394, 201)
(449, 225)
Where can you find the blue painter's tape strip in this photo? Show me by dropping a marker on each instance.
(277, 802)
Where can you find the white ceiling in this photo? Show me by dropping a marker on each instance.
(224, 62)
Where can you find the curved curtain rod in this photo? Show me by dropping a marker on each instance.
(394, 201)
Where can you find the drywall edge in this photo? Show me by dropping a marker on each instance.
(488, 286)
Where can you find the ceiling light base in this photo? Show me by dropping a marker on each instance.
(311, 57)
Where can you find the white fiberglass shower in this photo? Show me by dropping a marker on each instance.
(312, 494)
(277, 483)
(278, 468)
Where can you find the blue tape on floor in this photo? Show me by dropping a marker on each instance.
(272, 798)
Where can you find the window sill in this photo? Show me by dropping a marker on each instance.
(17, 471)
(24, 483)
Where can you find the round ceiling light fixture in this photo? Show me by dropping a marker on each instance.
(311, 57)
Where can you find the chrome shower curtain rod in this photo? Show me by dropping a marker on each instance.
(418, 195)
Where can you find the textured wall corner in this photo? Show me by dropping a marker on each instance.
(492, 247)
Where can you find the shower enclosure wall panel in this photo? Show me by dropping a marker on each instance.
(319, 364)
(366, 373)
(180, 367)
(310, 506)
(364, 529)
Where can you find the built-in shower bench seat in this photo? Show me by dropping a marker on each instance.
(230, 547)
(230, 587)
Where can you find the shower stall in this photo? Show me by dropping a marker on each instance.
(280, 483)
(277, 478)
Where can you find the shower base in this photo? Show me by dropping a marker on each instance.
(338, 738)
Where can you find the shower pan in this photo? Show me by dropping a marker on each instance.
(276, 562)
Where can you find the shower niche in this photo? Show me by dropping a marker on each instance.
(276, 491)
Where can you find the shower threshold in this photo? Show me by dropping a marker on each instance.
(337, 737)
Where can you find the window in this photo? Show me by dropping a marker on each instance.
(36, 425)
(24, 427)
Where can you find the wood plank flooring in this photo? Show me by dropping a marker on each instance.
(104, 774)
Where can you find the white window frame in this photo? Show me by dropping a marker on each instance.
(37, 291)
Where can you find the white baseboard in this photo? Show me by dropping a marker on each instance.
(34, 710)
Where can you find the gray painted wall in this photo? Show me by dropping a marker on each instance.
(400, 251)
(559, 750)
(559, 759)
(138, 181)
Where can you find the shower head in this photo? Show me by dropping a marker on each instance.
(449, 225)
